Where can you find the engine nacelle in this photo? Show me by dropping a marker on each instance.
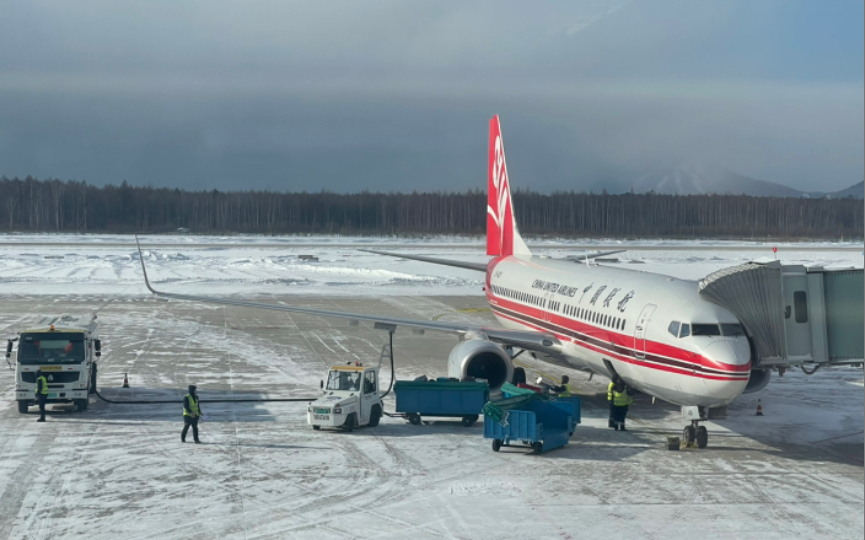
(758, 381)
(481, 359)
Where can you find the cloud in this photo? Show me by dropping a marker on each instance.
(396, 95)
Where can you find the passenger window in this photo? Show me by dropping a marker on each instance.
(674, 328)
(685, 331)
(800, 306)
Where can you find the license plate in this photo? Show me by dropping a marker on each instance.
(52, 395)
(322, 411)
(51, 368)
(320, 417)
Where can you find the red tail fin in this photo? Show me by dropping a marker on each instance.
(503, 238)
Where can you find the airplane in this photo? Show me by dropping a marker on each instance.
(654, 332)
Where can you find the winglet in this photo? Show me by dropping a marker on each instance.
(143, 269)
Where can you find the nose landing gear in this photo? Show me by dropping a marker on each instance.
(695, 432)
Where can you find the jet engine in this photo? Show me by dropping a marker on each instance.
(758, 381)
(481, 359)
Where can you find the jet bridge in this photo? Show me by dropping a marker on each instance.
(794, 315)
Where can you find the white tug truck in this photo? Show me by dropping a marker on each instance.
(65, 348)
(351, 398)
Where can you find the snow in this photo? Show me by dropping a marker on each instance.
(64, 264)
(119, 471)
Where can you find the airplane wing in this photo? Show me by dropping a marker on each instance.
(581, 258)
(533, 341)
(480, 267)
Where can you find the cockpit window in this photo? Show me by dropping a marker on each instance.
(698, 329)
(732, 329)
(674, 328)
(685, 331)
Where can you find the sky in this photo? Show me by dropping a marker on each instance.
(396, 95)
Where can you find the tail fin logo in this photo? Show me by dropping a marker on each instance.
(503, 238)
(500, 193)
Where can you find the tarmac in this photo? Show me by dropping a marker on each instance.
(120, 471)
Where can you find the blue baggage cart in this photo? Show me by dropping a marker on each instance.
(441, 398)
(542, 425)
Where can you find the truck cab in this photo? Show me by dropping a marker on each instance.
(65, 348)
(351, 398)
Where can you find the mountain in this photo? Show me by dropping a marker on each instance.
(694, 178)
(857, 191)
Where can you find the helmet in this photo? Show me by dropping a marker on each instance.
(540, 380)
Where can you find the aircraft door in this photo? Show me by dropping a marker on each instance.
(640, 330)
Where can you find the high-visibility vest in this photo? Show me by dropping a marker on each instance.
(193, 406)
(610, 391)
(44, 390)
(620, 399)
(566, 392)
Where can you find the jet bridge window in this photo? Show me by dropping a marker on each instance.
(800, 306)
(698, 329)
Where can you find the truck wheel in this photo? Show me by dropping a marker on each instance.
(316, 427)
(497, 445)
(374, 416)
(22, 407)
(81, 405)
(349, 423)
(538, 447)
(414, 418)
(469, 421)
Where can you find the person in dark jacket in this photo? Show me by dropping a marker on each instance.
(41, 393)
(622, 398)
(191, 414)
(564, 389)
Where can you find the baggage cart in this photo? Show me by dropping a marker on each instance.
(539, 424)
(465, 400)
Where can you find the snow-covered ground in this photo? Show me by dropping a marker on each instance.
(119, 471)
(52, 264)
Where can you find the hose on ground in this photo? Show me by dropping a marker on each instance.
(160, 401)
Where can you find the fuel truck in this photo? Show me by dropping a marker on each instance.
(65, 348)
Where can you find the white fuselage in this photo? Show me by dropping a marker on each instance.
(613, 320)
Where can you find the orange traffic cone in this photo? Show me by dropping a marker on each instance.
(759, 408)
(126, 382)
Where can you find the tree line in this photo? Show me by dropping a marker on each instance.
(32, 205)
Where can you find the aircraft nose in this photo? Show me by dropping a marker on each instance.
(731, 353)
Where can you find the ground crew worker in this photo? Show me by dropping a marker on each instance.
(565, 389)
(612, 421)
(41, 393)
(191, 414)
(621, 399)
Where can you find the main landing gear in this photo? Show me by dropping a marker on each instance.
(695, 433)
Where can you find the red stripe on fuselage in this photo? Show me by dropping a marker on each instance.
(618, 340)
